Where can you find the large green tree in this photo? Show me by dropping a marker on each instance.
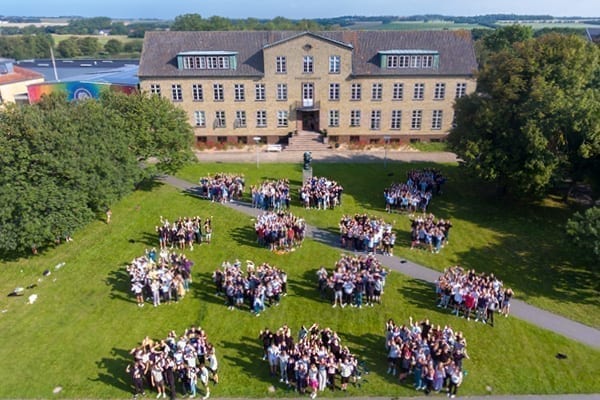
(535, 118)
(63, 163)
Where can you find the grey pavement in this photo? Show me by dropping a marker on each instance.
(250, 156)
(542, 318)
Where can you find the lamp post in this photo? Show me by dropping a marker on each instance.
(257, 141)
(386, 140)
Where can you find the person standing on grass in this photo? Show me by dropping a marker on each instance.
(346, 368)
(138, 371)
(213, 364)
(455, 381)
(203, 375)
(491, 308)
(157, 379)
(508, 294)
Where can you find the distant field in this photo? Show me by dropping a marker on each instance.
(414, 25)
(101, 39)
(542, 25)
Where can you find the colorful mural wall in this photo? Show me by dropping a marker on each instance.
(76, 90)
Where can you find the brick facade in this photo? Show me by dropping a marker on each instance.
(312, 79)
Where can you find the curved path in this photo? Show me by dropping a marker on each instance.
(519, 309)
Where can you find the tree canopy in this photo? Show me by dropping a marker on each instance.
(64, 162)
(535, 118)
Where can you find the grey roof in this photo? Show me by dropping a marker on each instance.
(593, 34)
(455, 48)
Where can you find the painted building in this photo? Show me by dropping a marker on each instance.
(14, 81)
(357, 85)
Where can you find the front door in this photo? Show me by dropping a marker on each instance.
(310, 121)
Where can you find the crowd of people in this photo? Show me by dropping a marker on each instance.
(161, 276)
(222, 187)
(472, 295)
(174, 363)
(184, 232)
(279, 231)
(271, 195)
(366, 233)
(312, 362)
(354, 281)
(427, 232)
(257, 288)
(431, 354)
(414, 194)
(321, 193)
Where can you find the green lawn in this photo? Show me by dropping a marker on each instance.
(79, 332)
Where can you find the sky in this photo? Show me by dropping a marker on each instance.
(293, 9)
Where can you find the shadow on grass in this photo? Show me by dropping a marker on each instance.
(204, 288)
(112, 370)
(244, 236)
(306, 287)
(249, 360)
(119, 281)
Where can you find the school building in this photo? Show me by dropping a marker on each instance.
(369, 86)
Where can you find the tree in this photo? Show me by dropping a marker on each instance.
(88, 46)
(584, 230)
(188, 22)
(64, 162)
(113, 46)
(535, 119)
(68, 48)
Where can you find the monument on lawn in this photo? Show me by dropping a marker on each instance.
(307, 170)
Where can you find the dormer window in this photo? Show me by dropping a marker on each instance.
(212, 60)
(415, 59)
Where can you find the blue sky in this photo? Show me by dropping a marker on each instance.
(168, 9)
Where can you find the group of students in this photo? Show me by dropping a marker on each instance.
(321, 193)
(222, 187)
(174, 362)
(416, 193)
(432, 354)
(260, 286)
(271, 195)
(311, 363)
(354, 281)
(479, 296)
(184, 232)
(161, 276)
(427, 232)
(366, 233)
(279, 231)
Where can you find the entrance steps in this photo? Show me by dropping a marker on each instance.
(306, 141)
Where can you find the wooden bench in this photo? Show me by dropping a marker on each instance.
(274, 147)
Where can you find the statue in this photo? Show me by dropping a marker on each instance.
(307, 160)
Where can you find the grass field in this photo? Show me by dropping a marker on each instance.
(79, 332)
(414, 25)
(101, 39)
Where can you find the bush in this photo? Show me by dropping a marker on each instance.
(584, 230)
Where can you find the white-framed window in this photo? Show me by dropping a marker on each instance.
(206, 62)
(396, 119)
(259, 92)
(355, 90)
(398, 91)
(200, 118)
(308, 65)
(282, 118)
(436, 119)
(377, 91)
(220, 121)
(409, 61)
(280, 65)
(261, 118)
(282, 92)
(239, 92)
(155, 89)
(176, 92)
(197, 92)
(218, 94)
(427, 62)
(240, 119)
(334, 91)
(419, 91)
(375, 119)
(417, 118)
(439, 91)
(334, 64)
(415, 61)
(334, 118)
(355, 118)
(461, 90)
